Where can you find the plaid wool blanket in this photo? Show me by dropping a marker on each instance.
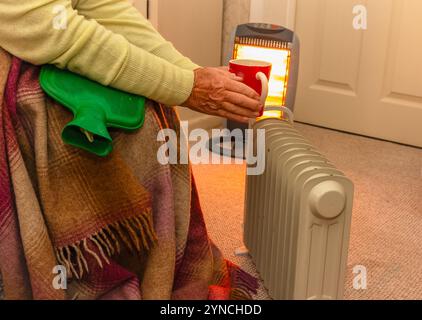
(122, 227)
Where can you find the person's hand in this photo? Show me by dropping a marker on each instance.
(218, 92)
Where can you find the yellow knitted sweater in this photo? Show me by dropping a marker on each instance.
(105, 40)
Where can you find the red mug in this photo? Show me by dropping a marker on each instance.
(255, 74)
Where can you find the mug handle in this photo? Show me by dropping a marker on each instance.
(261, 76)
(264, 82)
(264, 93)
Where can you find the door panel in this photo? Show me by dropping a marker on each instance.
(332, 71)
(363, 81)
(407, 29)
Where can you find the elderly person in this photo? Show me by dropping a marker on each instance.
(75, 226)
(110, 42)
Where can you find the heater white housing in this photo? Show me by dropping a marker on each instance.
(297, 217)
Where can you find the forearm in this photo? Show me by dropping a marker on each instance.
(87, 48)
(122, 18)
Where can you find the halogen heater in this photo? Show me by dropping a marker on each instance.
(280, 47)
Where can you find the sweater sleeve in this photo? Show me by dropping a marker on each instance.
(29, 29)
(122, 18)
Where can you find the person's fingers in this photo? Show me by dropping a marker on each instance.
(235, 77)
(231, 116)
(225, 71)
(230, 107)
(242, 101)
(223, 68)
(242, 88)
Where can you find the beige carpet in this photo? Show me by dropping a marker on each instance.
(386, 235)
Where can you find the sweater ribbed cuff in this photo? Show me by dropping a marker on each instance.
(155, 78)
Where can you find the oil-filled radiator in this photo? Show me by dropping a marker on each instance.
(297, 217)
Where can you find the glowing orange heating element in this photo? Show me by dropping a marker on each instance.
(280, 60)
(271, 114)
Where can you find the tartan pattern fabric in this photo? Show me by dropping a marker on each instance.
(125, 226)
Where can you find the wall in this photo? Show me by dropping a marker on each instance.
(141, 5)
(194, 27)
(281, 12)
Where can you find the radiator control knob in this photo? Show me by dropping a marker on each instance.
(327, 199)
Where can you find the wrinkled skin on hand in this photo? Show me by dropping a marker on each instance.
(221, 93)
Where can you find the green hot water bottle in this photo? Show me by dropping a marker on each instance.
(95, 108)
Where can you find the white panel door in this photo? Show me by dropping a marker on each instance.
(362, 81)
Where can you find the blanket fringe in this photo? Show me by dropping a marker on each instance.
(137, 233)
(243, 284)
(240, 294)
